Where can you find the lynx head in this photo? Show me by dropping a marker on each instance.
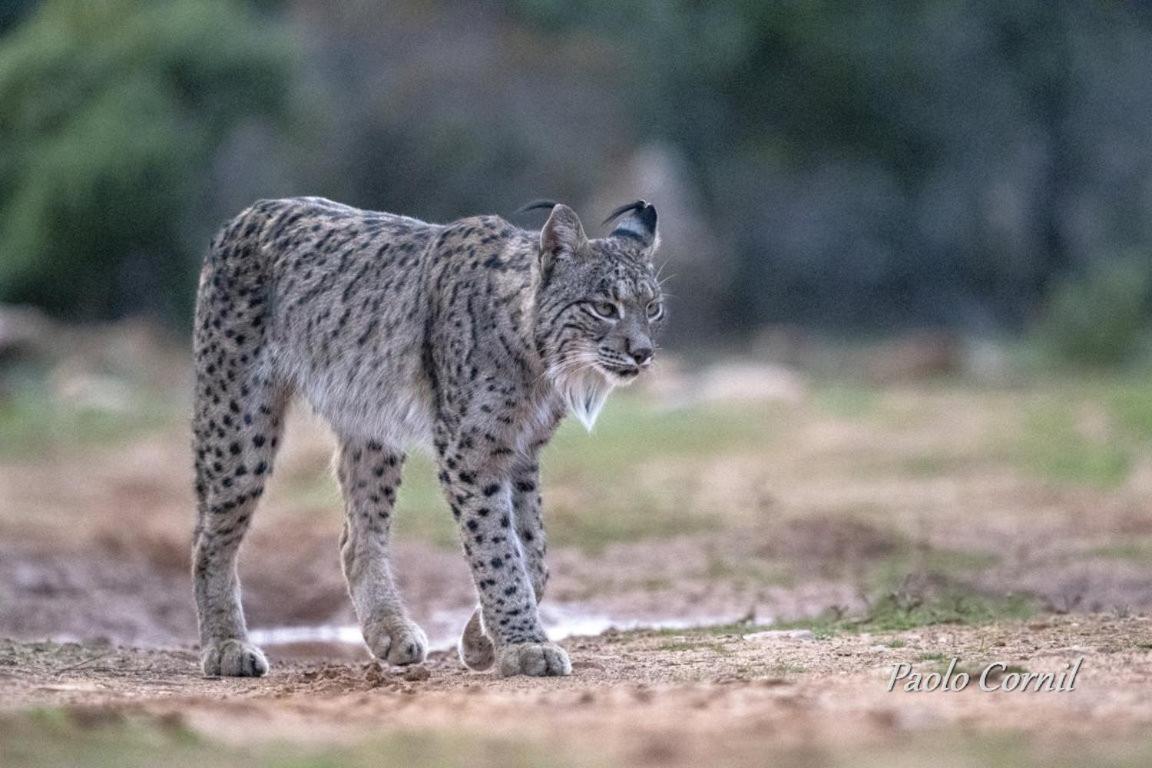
(600, 304)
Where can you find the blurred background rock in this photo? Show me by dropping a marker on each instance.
(830, 175)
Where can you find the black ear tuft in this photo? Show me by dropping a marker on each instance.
(639, 205)
(638, 223)
(537, 205)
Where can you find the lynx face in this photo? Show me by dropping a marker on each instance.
(601, 305)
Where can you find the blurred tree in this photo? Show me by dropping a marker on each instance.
(11, 11)
(1099, 318)
(858, 166)
(111, 111)
(891, 164)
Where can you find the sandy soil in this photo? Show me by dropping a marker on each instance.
(651, 698)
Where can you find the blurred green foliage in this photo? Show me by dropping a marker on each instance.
(11, 11)
(853, 166)
(1099, 319)
(111, 113)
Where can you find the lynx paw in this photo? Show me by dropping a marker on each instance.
(535, 659)
(233, 658)
(398, 641)
(476, 648)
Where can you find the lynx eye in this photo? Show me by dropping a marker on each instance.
(606, 310)
(655, 310)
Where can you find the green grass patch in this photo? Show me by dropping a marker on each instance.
(1055, 443)
(1139, 550)
(729, 629)
(1054, 446)
(630, 431)
(694, 645)
(898, 612)
(601, 494)
(33, 423)
(606, 521)
(592, 496)
(896, 607)
(747, 571)
(1130, 405)
(940, 465)
(421, 510)
(847, 400)
(941, 596)
(104, 738)
(108, 739)
(895, 611)
(886, 574)
(999, 748)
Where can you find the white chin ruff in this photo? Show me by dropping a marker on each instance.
(584, 392)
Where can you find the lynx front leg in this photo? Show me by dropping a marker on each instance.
(369, 476)
(530, 523)
(476, 647)
(480, 494)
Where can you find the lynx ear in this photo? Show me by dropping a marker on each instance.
(562, 236)
(637, 222)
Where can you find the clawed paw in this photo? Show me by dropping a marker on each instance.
(233, 658)
(534, 659)
(397, 641)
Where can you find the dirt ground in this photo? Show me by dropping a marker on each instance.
(649, 698)
(785, 556)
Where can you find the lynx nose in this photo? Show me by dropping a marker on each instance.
(642, 355)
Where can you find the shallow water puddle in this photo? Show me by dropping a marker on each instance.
(444, 629)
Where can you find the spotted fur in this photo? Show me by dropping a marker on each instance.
(472, 337)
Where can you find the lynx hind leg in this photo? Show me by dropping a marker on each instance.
(369, 475)
(236, 432)
(476, 649)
